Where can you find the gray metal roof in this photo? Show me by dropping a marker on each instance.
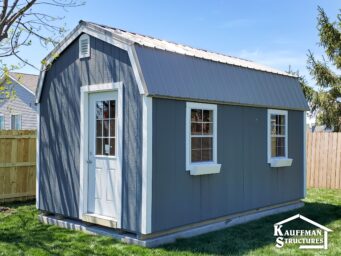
(178, 71)
(175, 70)
(169, 74)
(160, 44)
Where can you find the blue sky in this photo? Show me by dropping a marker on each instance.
(274, 33)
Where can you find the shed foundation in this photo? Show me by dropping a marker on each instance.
(155, 240)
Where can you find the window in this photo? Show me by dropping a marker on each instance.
(106, 128)
(84, 46)
(278, 138)
(201, 136)
(2, 122)
(16, 122)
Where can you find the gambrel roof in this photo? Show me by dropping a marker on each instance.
(171, 70)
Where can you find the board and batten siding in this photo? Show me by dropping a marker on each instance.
(246, 181)
(22, 104)
(60, 129)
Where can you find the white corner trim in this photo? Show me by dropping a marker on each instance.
(103, 35)
(84, 131)
(276, 159)
(147, 147)
(204, 168)
(38, 157)
(137, 69)
(195, 105)
(304, 153)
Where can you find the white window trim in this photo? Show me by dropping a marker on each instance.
(278, 161)
(13, 128)
(201, 168)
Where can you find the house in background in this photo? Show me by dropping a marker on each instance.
(19, 112)
(163, 140)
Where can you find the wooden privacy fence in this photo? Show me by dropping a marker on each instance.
(324, 160)
(17, 165)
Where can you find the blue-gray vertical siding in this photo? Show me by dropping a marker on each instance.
(60, 129)
(245, 182)
(22, 104)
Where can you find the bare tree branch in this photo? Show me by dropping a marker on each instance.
(23, 22)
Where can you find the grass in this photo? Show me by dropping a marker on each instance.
(22, 234)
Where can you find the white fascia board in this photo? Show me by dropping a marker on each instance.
(103, 35)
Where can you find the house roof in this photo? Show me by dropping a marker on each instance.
(160, 44)
(166, 69)
(29, 81)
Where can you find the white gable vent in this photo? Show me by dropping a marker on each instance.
(84, 46)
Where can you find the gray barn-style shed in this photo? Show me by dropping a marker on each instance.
(152, 137)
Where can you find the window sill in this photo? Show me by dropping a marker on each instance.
(280, 162)
(204, 168)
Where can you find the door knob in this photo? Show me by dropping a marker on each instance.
(89, 162)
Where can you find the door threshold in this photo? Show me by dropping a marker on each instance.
(100, 220)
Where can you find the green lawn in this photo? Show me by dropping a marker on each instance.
(22, 234)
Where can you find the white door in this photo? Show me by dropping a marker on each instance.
(103, 168)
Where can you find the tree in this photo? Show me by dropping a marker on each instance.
(24, 21)
(308, 91)
(327, 100)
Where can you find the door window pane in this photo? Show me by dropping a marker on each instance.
(112, 109)
(99, 110)
(98, 146)
(112, 128)
(106, 128)
(112, 147)
(106, 146)
(105, 109)
(99, 128)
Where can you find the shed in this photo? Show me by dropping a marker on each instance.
(157, 138)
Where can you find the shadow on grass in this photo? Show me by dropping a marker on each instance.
(21, 231)
(245, 238)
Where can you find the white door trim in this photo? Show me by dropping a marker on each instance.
(84, 131)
